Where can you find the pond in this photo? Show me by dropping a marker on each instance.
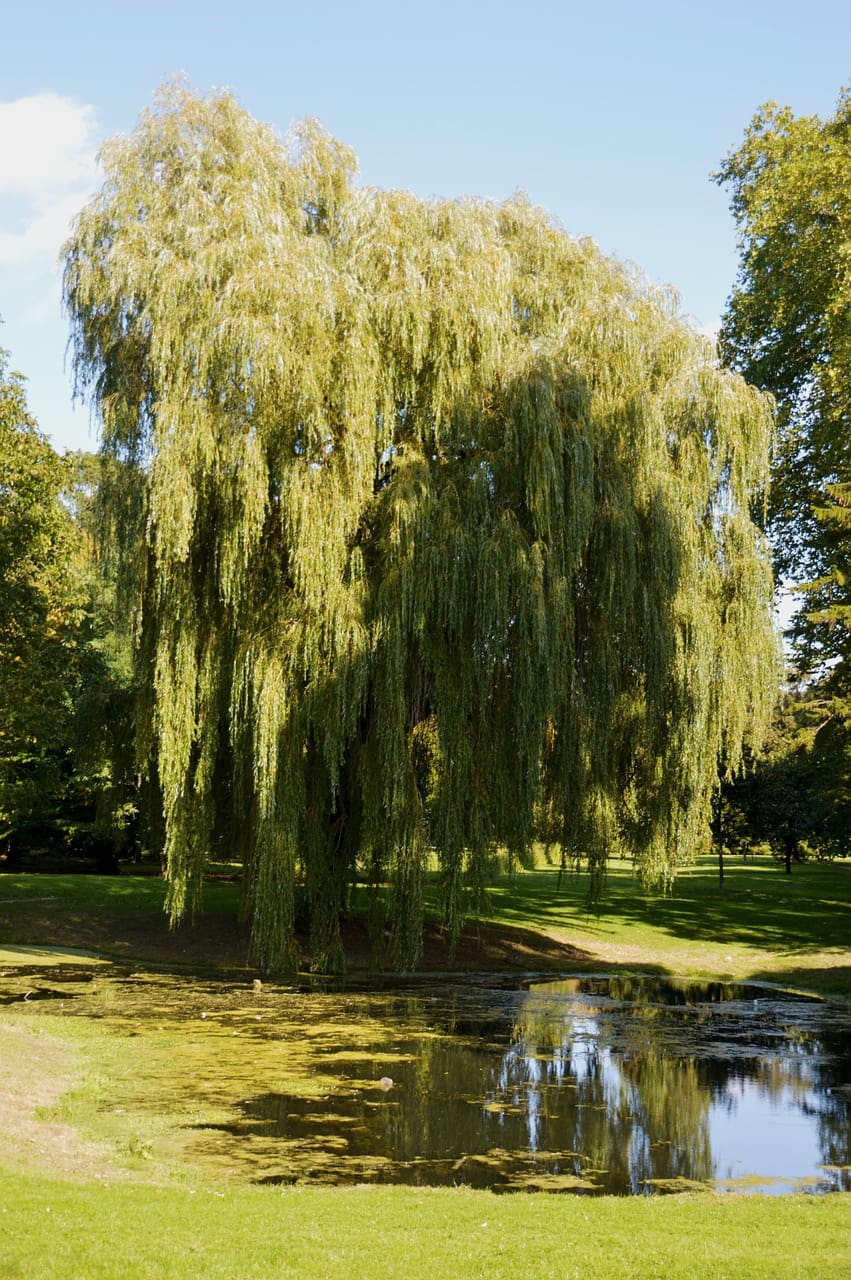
(619, 1085)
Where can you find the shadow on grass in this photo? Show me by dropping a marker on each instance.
(759, 905)
(122, 917)
(534, 924)
(834, 981)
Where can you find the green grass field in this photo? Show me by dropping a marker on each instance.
(58, 1231)
(763, 925)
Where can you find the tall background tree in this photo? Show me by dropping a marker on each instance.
(65, 777)
(787, 329)
(38, 604)
(434, 519)
(102, 799)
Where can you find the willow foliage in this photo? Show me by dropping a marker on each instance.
(436, 524)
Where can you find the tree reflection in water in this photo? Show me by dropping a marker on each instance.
(613, 1085)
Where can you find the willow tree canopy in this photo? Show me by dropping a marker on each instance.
(436, 524)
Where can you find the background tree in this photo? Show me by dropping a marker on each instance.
(788, 330)
(785, 798)
(786, 326)
(60, 759)
(38, 609)
(102, 795)
(434, 519)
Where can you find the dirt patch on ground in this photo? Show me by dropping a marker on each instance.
(36, 1069)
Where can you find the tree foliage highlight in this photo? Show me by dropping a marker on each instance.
(65, 775)
(39, 603)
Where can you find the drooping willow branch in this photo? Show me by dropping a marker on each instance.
(435, 523)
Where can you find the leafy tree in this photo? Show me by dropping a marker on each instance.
(38, 608)
(780, 800)
(787, 330)
(434, 519)
(61, 756)
(102, 791)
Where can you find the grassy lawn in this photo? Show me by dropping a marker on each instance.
(121, 917)
(57, 1231)
(764, 925)
(98, 1207)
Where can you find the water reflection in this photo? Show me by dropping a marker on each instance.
(617, 1085)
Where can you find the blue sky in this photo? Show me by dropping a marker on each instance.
(610, 115)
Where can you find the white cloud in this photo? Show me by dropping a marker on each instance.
(47, 168)
(44, 233)
(47, 144)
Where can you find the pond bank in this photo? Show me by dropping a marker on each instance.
(37, 1070)
(791, 930)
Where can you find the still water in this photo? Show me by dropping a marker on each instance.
(588, 1084)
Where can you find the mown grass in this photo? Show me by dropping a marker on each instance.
(122, 917)
(758, 905)
(763, 925)
(124, 895)
(54, 1231)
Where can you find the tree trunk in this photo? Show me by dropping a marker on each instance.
(718, 836)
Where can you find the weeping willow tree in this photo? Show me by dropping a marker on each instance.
(435, 526)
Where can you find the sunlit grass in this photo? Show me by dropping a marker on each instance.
(763, 924)
(51, 1230)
